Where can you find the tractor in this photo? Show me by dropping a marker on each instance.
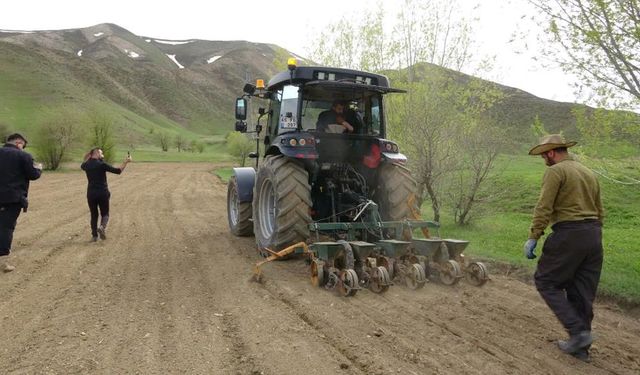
(329, 183)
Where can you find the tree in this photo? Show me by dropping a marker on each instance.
(55, 139)
(164, 139)
(375, 54)
(538, 129)
(467, 188)
(452, 145)
(426, 136)
(101, 136)
(432, 32)
(199, 146)
(239, 146)
(180, 142)
(597, 40)
(336, 45)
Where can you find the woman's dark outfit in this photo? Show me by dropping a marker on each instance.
(98, 191)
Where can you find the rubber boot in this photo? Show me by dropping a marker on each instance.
(5, 266)
(583, 355)
(102, 229)
(576, 342)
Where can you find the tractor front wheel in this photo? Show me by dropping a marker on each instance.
(238, 213)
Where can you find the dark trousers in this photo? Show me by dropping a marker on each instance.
(97, 201)
(568, 272)
(9, 213)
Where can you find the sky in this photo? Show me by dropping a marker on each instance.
(291, 25)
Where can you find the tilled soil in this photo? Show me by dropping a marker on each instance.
(169, 292)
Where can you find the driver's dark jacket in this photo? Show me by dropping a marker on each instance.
(328, 117)
(16, 169)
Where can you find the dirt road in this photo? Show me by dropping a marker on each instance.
(169, 291)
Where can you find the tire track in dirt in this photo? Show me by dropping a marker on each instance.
(192, 204)
(321, 328)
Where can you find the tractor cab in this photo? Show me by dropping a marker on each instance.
(329, 114)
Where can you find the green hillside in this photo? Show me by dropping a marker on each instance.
(129, 79)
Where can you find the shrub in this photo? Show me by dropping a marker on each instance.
(101, 136)
(55, 139)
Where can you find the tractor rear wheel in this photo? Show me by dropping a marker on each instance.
(281, 203)
(395, 190)
(238, 213)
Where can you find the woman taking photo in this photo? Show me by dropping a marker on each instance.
(98, 191)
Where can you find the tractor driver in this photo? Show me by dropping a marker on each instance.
(339, 119)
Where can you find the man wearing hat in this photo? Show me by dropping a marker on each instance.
(16, 170)
(569, 268)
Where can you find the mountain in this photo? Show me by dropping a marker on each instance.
(140, 83)
(144, 85)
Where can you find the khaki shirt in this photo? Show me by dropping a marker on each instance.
(570, 192)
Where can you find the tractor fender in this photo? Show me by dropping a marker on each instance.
(394, 157)
(245, 178)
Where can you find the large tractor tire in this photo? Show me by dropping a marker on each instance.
(281, 203)
(238, 213)
(396, 191)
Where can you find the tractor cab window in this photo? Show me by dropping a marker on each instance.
(288, 116)
(373, 119)
(362, 112)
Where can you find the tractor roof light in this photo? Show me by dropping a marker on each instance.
(292, 63)
(260, 84)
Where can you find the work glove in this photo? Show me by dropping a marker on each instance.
(529, 248)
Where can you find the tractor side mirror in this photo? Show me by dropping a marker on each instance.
(253, 155)
(241, 126)
(241, 109)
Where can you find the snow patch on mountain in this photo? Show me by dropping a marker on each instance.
(17, 31)
(131, 54)
(212, 59)
(80, 53)
(172, 42)
(173, 58)
(98, 34)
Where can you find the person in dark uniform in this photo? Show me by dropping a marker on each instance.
(569, 268)
(98, 191)
(340, 115)
(16, 170)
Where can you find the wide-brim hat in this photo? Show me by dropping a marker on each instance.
(13, 136)
(550, 142)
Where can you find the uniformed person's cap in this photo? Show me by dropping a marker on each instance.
(550, 142)
(15, 136)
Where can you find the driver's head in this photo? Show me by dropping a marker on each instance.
(338, 106)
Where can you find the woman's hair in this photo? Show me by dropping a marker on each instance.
(93, 150)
